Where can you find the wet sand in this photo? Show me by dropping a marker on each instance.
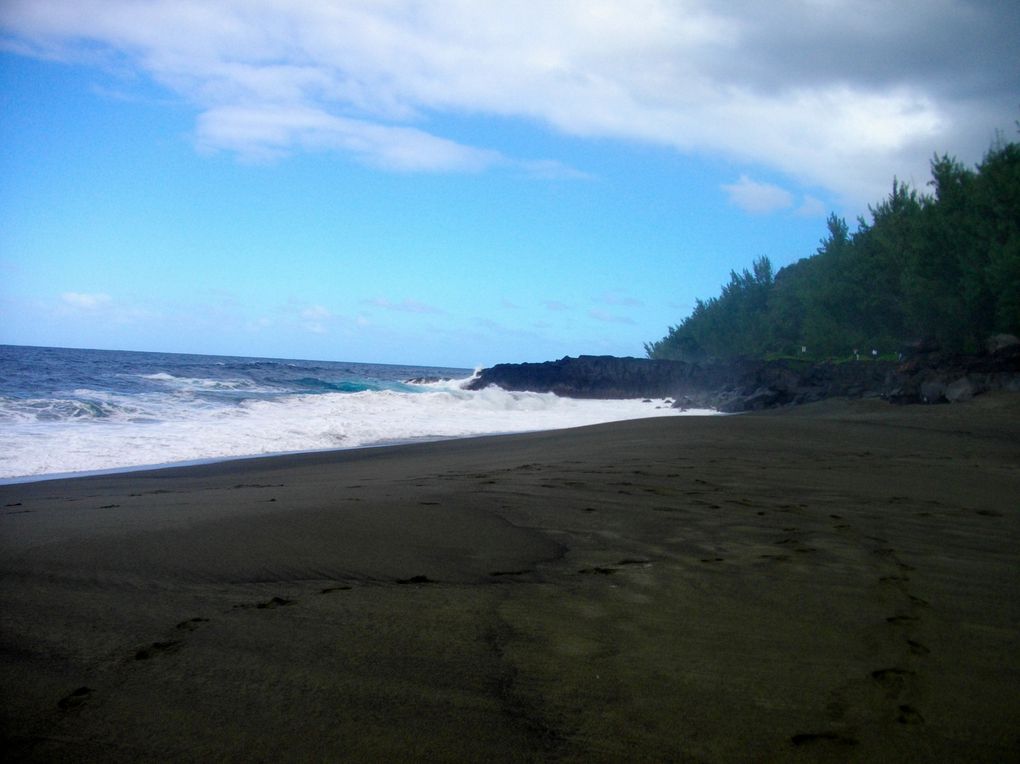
(839, 582)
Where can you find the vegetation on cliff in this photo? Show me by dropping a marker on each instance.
(941, 267)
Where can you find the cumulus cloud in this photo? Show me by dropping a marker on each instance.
(759, 198)
(839, 94)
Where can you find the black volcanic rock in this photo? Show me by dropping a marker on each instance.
(747, 385)
(596, 377)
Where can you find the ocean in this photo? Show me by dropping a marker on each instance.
(66, 411)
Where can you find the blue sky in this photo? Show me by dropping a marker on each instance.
(450, 183)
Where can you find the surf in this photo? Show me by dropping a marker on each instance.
(154, 409)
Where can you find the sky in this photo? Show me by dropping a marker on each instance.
(454, 182)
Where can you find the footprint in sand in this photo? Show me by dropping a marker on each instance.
(807, 738)
(274, 602)
(267, 605)
(910, 715)
(75, 699)
(191, 624)
(917, 648)
(900, 620)
(894, 579)
(158, 648)
(416, 580)
(597, 571)
(893, 680)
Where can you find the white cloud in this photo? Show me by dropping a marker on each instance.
(840, 95)
(269, 132)
(758, 198)
(86, 301)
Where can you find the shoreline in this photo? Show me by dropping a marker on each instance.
(20, 479)
(827, 582)
(74, 475)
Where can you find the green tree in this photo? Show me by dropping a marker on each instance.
(944, 266)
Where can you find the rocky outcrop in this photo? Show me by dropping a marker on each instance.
(932, 377)
(729, 386)
(598, 377)
(743, 385)
(769, 384)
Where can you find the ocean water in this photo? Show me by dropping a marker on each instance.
(71, 411)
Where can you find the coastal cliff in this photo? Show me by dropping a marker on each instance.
(751, 385)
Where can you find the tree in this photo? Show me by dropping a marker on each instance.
(944, 266)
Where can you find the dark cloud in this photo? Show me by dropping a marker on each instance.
(956, 49)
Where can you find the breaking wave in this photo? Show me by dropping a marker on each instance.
(64, 411)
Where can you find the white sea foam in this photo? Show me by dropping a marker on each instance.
(199, 383)
(150, 430)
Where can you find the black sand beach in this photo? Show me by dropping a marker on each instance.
(839, 582)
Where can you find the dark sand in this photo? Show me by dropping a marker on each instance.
(835, 583)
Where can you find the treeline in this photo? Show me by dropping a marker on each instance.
(940, 267)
